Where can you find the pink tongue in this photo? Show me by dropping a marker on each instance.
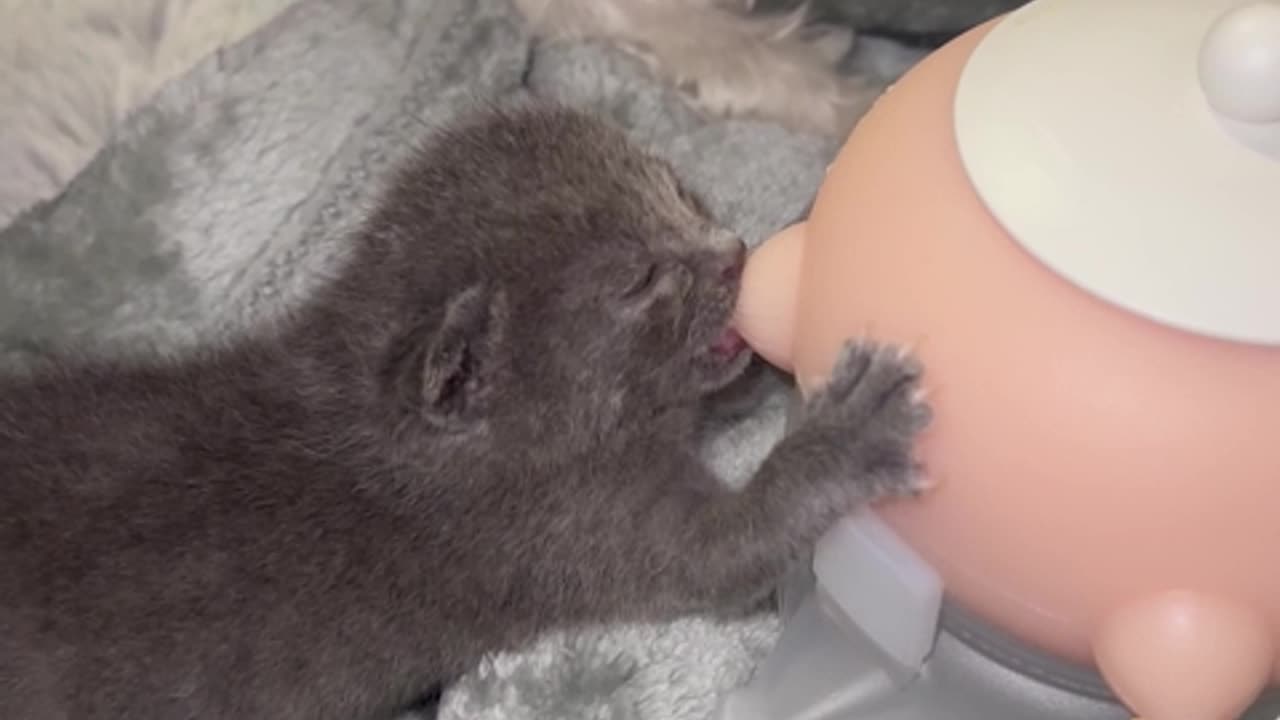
(729, 343)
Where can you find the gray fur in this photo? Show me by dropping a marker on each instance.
(454, 446)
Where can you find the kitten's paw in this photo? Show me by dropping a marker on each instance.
(871, 410)
(872, 386)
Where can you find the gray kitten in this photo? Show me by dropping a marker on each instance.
(482, 428)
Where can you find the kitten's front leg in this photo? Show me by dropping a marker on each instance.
(853, 445)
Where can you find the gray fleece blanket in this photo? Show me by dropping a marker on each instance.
(220, 203)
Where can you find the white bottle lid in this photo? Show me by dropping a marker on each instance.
(1133, 146)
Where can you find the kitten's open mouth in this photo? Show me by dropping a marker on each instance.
(728, 354)
(728, 346)
(724, 359)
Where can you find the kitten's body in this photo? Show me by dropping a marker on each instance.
(483, 428)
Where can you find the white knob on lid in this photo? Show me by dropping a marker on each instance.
(1240, 63)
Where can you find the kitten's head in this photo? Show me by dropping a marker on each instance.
(572, 276)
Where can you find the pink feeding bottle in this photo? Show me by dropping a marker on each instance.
(1072, 214)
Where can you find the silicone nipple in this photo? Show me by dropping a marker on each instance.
(766, 312)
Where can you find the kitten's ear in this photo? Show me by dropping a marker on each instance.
(462, 358)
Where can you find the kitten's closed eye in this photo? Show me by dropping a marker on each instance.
(644, 280)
